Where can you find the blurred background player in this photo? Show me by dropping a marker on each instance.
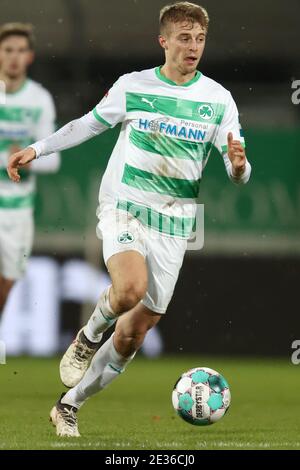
(27, 113)
(161, 174)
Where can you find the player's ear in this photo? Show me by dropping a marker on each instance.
(31, 57)
(163, 42)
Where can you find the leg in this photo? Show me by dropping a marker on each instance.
(16, 242)
(131, 329)
(128, 272)
(126, 265)
(106, 365)
(114, 355)
(5, 288)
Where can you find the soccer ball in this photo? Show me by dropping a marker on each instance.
(201, 396)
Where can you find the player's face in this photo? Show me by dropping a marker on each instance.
(15, 56)
(184, 45)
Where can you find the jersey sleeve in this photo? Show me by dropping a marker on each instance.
(230, 123)
(112, 108)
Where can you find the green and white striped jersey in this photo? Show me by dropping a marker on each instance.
(166, 137)
(25, 116)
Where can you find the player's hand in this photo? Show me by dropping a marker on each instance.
(16, 148)
(19, 160)
(236, 154)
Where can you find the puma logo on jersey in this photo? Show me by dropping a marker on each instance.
(149, 102)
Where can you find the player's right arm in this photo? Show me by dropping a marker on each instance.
(108, 112)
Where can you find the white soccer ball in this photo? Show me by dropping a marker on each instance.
(201, 396)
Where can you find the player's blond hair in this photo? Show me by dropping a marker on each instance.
(18, 29)
(182, 11)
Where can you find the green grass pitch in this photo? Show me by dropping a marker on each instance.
(135, 412)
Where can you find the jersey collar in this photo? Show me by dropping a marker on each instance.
(21, 88)
(160, 76)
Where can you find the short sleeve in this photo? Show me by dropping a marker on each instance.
(112, 108)
(230, 123)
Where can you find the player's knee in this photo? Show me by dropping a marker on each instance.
(130, 336)
(5, 287)
(3, 299)
(129, 294)
(129, 341)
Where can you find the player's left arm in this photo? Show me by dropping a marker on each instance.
(108, 113)
(231, 144)
(45, 127)
(237, 157)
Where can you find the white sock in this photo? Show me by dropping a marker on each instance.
(106, 365)
(102, 318)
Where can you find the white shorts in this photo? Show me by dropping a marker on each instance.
(120, 231)
(16, 238)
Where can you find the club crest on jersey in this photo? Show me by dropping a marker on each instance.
(206, 111)
(125, 237)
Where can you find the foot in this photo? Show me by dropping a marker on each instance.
(64, 418)
(77, 359)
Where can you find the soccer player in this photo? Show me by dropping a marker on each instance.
(27, 113)
(171, 115)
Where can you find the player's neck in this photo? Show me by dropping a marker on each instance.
(12, 84)
(175, 75)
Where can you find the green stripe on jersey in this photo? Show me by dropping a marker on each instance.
(169, 225)
(20, 114)
(25, 175)
(100, 119)
(210, 113)
(169, 146)
(16, 202)
(147, 181)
